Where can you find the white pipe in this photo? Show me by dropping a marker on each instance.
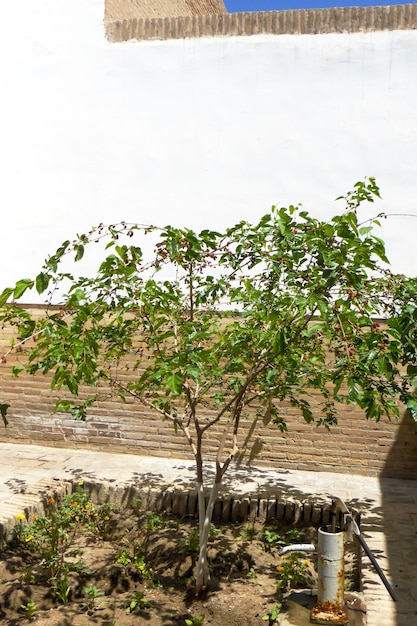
(297, 547)
(330, 568)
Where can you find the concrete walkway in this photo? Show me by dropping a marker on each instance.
(388, 507)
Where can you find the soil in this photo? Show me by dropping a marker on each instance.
(243, 570)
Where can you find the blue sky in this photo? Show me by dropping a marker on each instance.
(234, 6)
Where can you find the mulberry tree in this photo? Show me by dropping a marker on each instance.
(206, 328)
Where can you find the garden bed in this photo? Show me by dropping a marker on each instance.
(85, 563)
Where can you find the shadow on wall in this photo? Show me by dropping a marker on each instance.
(401, 461)
(399, 520)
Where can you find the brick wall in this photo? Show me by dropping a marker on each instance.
(120, 27)
(353, 446)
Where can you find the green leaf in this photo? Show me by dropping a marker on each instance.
(62, 406)
(42, 282)
(79, 251)
(353, 389)
(72, 384)
(21, 287)
(307, 413)
(79, 413)
(411, 406)
(337, 384)
(16, 369)
(61, 250)
(322, 307)
(174, 383)
(5, 295)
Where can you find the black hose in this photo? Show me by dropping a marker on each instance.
(377, 567)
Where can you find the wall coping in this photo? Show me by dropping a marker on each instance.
(291, 22)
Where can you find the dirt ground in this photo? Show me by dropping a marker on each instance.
(140, 571)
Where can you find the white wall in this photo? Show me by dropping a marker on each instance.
(199, 132)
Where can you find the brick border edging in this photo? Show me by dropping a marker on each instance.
(291, 22)
(181, 502)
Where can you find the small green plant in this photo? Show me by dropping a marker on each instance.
(214, 531)
(154, 522)
(19, 529)
(93, 593)
(293, 571)
(62, 586)
(190, 543)
(79, 568)
(248, 533)
(270, 540)
(272, 615)
(27, 577)
(251, 574)
(143, 568)
(74, 552)
(138, 603)
(137, 561)
(292, 535)
(100, 519)
(196, 621)
(123, 558)
(29, 609)
(137, 506)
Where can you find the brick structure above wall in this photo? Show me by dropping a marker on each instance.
(123, 26)
(130, 9)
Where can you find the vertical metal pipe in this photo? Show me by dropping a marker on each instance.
(331, 568)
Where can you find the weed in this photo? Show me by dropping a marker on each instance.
(27, 577)
(62, 586)
(93, 593)
(190, 543)
(196, 621)
(79, 568)
(123, 558)
(29, 609)
(74, 552)
(248, 533)
(272, 615)
(137, 506)
(214, 531)
(143, 568)
(251, 574)
(19, 529)
(137, 561)
(292, 535)
(138, 603)
(154, 522)
(270, 540)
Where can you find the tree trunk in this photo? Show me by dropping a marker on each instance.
(203, 574)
